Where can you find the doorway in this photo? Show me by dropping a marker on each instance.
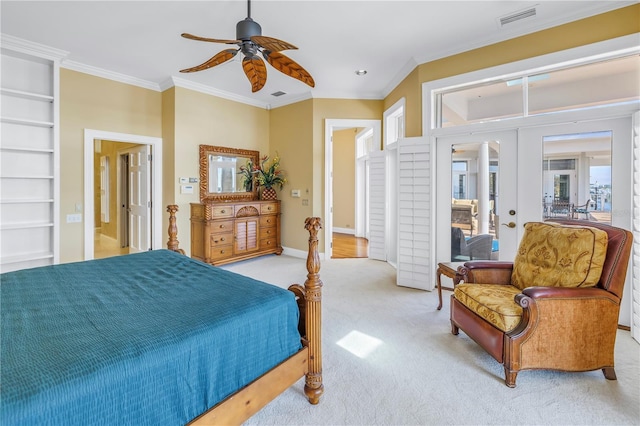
(153, 222)
(331, 126)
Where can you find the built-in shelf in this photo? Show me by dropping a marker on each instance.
(19, 149)
(27, 177)
(30, 146)
(26, 225)
(26, 257)
(26, 201)
(26, 95)
(26, 122)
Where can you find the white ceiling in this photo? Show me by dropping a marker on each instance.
(140, 41)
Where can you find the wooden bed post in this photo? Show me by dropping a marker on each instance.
(313, 299)
(173, 242)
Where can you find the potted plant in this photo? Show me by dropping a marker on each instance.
(268, 175)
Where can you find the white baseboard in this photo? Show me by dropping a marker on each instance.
(349, 231)
(301, 254)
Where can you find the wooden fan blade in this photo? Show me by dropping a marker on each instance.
(217, 59)
(288, 66)
(272, 44)
(256, 72)
(212, 40)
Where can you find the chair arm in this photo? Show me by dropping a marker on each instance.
(567, 293)
(483, 271)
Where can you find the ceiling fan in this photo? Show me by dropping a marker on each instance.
(250, 40)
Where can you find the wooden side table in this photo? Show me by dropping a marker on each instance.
(449, 269)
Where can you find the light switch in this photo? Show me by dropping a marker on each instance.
(74, 218)
(186, 189)
(295, 193)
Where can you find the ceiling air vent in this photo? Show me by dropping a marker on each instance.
(517, 16)
(278, 93)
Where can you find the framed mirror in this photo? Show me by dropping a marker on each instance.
(220, 174)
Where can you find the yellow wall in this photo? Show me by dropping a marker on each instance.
(344, 178)
(88, 102)
(597, 28)
(292, 137)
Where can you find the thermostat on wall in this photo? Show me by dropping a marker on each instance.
(186, 189)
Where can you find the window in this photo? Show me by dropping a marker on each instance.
(585, 86)
(394, 123)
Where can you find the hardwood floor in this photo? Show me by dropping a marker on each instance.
(347, 246)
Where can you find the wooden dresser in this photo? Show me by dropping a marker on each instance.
(225, 232)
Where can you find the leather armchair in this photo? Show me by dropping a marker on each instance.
(561, 328)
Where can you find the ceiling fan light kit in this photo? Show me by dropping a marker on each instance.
(250, 41)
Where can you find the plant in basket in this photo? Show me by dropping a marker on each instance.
(268, 175)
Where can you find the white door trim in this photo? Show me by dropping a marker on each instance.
(330, 125)
(156, 207)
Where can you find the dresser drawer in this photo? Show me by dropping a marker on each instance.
(221, 252)
(222, 226)
(216, 240)
(267, 232)
(267, 208)
(266, 221)
(221, 211)
(268, 243)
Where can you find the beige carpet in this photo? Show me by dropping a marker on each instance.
(389, 358)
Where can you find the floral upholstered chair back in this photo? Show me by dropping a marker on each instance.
(555, 255)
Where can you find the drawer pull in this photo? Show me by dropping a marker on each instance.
(221, 226)
(269, 208)
(268, 232)
(223, 211)
(221, 251)
(222, 239)
(268, 220)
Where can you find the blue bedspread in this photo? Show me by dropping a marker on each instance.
(150, 338)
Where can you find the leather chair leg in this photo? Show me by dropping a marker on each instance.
(454, 329)
(609, 373)
(510, 377)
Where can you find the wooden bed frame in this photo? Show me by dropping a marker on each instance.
(247, 401)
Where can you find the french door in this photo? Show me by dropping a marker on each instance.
(480, 170)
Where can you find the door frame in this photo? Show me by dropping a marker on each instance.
(331, 124)
(90, 135)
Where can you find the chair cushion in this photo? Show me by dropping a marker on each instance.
(492, 302)
(555, 255)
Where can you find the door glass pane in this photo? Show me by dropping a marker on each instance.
(474, 189)
(577, 176)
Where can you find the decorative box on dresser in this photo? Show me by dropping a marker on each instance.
(225, 232)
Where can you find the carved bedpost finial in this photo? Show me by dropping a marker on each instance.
(173, 242)
(313, 289)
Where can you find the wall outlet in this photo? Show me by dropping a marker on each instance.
(74, 218)
(305, 202)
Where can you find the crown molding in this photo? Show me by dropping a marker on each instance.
(186, 84)
(523, 30)
(400, 76)
(110, 75)
(31, 48)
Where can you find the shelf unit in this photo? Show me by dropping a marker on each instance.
(29, 155)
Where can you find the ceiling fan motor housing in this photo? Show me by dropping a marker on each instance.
(247, 28)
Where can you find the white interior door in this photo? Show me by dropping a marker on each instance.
(139, 200)
(482, 167)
